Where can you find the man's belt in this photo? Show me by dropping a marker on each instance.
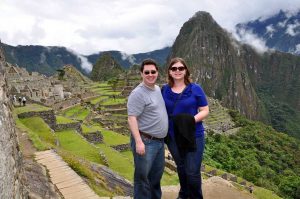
(150, 137)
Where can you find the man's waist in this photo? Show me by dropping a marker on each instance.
(148, 136)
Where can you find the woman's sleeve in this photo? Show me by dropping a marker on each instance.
(200, 96)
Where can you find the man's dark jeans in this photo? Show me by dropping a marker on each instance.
(188, 169)
(149, 169)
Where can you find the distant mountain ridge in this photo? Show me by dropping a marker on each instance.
(127, 60)
(46, 60)
(280, 31)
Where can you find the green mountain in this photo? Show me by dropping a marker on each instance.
(45, 60)
(241, 78)
(105, 68)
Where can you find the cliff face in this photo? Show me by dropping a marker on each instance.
(262, 86)
(216, 64)
(11, 174)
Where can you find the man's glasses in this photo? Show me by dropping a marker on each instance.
(147, 72)
(180, 68)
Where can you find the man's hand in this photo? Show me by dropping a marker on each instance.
(140, 148)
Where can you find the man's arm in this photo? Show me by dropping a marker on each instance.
(133, 125)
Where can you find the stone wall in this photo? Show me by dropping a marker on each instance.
(11, 172)
(122, 147)
(48, 117)
(94, 137)
(66, 104)
(73, 125)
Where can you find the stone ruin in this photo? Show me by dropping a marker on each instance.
(49, 91)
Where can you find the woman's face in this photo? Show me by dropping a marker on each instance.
(177, 71)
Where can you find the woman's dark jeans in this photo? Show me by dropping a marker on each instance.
(188, 169)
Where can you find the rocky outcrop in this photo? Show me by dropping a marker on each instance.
(115, 182)
(38, 183)
(11, 172)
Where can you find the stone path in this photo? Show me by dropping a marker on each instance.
(68, 182)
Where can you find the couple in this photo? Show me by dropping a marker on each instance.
(150, 119)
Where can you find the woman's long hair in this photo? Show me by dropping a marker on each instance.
(187, 78)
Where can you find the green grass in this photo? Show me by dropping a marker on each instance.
(37, 142)
(111, 93)
(91, 128)
(105, 91)
(112, 101)
(30, 108)
(63, 120)
(112, 138)
(71, 111)
(38, 132)
(98, 99)
(82, 114)
(117, 162)
(76, 112)
(128, 155)
(71, 141)
(261, 193)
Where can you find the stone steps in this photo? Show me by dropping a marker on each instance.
(68, 182)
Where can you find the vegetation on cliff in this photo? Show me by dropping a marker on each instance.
(259, 154)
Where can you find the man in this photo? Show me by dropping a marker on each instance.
(148, 122)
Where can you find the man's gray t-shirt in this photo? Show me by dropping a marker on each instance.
(149, 107)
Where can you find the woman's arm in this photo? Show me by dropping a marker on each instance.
(202, 114)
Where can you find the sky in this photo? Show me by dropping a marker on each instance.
(130, 26)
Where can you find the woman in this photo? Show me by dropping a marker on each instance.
(183, 96)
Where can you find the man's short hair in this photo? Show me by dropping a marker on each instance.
(148, 62)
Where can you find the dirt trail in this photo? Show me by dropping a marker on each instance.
(26, 145)
(213, 188)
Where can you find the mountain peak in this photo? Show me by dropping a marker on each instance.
(105, 68)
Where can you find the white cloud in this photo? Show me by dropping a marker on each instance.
(85, 64)
(282, 24)
(129, 57)
(248, 37)
(132, 26)
(270, 29)
(291, 29)
(297, 49)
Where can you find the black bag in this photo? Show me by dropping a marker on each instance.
(184, 130)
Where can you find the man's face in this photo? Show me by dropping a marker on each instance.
(149, 75)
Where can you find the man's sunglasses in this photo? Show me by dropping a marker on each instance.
(147, 72)
(180, 68)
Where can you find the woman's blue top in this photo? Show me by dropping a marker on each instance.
(191, 99)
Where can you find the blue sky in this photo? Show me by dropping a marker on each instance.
(131, 26)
